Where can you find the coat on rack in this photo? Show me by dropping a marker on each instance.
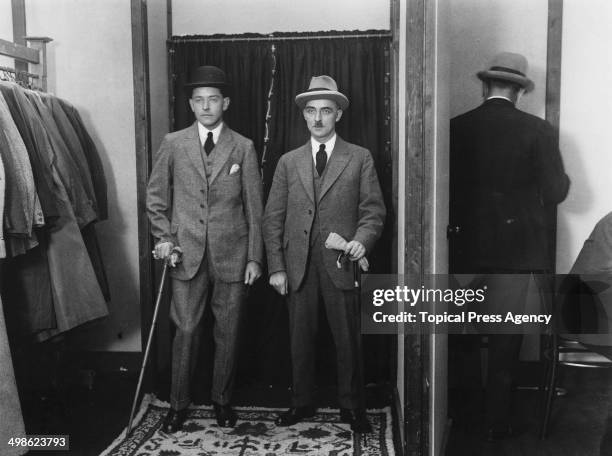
(55, 283)
(12, 418)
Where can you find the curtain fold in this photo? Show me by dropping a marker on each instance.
(360, 66)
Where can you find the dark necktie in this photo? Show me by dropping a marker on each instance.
(209, 144)
(321, 159)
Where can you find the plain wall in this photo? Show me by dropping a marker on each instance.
(585, 126)
(6, 20)
(480, 29)
(6, 29)
(207, 17)
(158, 71)
(90, 65)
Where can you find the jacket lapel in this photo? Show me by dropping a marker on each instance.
(194, 149)
(339, 159)
(222, 152)
(304, 169)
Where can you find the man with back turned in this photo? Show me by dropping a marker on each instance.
(506, 179)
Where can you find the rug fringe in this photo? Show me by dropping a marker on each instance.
(160, 403)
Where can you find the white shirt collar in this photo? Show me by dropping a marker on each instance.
(499, 96)
(329, 147)
(203, 132)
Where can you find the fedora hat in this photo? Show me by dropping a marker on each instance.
(322, 87)
(508, 66)
(207, 76)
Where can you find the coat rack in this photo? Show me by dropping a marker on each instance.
(35, 55)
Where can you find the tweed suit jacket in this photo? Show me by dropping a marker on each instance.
(506, 179)
(222, 213)
(350, 204)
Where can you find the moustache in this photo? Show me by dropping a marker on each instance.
(318, 124)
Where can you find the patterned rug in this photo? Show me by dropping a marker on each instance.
(255, 434)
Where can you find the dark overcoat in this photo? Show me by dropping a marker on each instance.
(506, 179)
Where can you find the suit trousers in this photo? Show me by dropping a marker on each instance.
(343, 316)
(189, 299)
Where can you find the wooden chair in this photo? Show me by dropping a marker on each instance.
(564, 352)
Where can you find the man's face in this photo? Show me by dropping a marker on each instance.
(208, 104)
(321, 117)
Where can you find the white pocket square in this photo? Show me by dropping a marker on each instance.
(234, 169)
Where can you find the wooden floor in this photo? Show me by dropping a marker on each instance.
(578, 422)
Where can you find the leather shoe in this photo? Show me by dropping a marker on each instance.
(295, 415)
(174, 421)
(357, 419)
(226, 417)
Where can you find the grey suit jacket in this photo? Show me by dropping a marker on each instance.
(350, 204)
(223, 213)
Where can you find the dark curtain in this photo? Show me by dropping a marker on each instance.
(247, 66)
(360, 66)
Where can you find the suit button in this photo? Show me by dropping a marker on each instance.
(305, 232)
(202, 221)
(202, 206)
(309, 211)
(202, 190)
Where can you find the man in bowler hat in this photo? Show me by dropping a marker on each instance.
(204, 199)
(506, 179)
(327, 185)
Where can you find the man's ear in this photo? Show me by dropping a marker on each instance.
(226, 103)
(338, 114)
(191, 105)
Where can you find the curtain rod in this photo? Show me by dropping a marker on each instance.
(180, 39)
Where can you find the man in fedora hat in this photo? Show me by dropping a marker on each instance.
(204, 198)
(325, 186)
(506, 180)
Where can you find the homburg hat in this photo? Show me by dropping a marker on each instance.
(508, 66)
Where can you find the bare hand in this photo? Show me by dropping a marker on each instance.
(279, 281)
(163, 250)
(355, 250)
(252, 272)
(167, 252)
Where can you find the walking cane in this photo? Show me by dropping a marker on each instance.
(357, 281)
(149, 341)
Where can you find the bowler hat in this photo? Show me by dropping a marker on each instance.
(322, 87)
(207, 76)
(508, 66)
